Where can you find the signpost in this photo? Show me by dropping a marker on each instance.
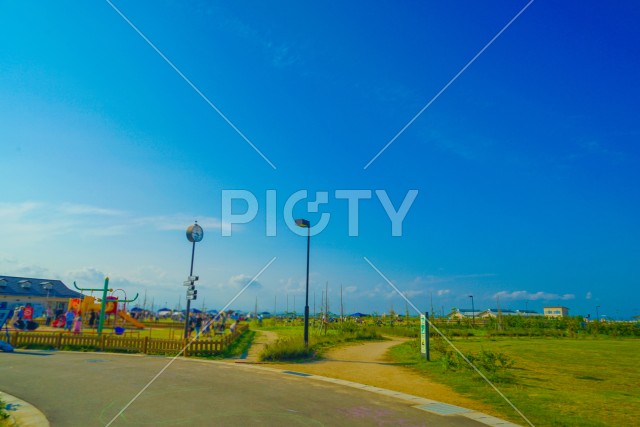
(424, 335)
(194, 235)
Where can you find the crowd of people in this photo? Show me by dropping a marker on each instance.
(204, 324)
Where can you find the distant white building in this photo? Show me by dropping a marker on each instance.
(556, 311)
(463, 313)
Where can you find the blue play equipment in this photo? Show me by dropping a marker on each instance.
(4, 315)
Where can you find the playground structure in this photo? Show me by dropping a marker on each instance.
(89, 304)
(107, 304)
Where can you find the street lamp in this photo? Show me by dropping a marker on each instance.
(473, 310)
(305, 224)
(597, 314)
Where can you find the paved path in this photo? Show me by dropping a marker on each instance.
(89, 389)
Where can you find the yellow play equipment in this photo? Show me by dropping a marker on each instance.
(89, 304)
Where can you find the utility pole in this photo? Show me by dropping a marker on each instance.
(431, 303)
(341, 306)
(326, 292)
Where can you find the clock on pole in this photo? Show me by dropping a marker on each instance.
(194, 235)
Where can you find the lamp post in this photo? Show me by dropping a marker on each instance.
(305, 224)
(473, 310)
(597, 314)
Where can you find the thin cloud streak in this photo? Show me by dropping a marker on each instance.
(524, 295)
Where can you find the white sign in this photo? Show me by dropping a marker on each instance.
(423, 334)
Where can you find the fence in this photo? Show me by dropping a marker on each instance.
(129, 344)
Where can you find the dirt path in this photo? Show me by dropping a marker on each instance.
(259, 342)
(368, 364)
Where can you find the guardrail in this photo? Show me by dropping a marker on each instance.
(117, 343)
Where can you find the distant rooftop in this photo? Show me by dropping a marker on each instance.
(31, 287)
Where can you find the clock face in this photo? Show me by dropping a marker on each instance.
(195, 233)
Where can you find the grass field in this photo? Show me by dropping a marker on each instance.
(554, 382)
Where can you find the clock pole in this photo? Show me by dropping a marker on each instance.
(194, 235)
(186, 322)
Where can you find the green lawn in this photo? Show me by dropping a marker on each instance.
(554, 382)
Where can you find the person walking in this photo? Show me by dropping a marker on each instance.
(77, 324)
(92, 319)
(48, 316)
(68, 320)
(206, 330)
(198, 325)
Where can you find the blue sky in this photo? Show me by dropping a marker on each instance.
(526, 166)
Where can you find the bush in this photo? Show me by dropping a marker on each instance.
(287, 349)
(292, 349)
(493, 364)
(3, 414)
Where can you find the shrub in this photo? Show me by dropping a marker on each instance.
(493, 364)
(3, 414)
(288, 349)
(292, 349)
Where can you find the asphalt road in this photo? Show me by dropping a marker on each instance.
(89, 389)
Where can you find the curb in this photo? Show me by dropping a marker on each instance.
(21, 413)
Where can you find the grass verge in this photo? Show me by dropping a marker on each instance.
(238, 347)
(3, 413)
(554, 382)
(291, 348)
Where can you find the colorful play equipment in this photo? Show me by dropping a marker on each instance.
(108, 305)
(89, 304)
(5, 313)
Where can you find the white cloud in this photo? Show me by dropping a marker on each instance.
(239, 281)
(411, 293)
(9, 211)
(10, 266)
(87, 277)
(431, 280)
(76, 209)
(588, 296)
(180, 222)
(442, 292)
(292, 286)
(42, 221)
(524, 295)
